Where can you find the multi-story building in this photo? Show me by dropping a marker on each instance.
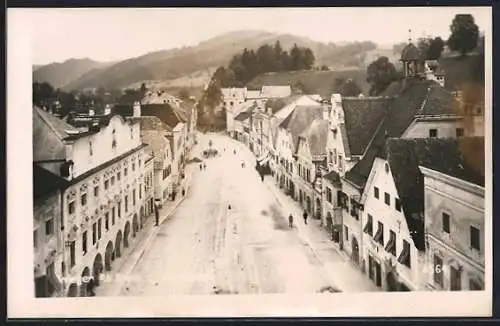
(155, 133)
(103, 164)
(47, 241)
(454, 217)
(148, 208)
(286, 146)
(311, 163)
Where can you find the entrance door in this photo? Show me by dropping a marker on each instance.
(370, 268)
(378, 274)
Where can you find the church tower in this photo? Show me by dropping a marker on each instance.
(410, 56)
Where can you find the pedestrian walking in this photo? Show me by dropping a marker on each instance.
(201, 166)
(183, 192)
(305, 216)
(204, 166)
(229, 207)
(290, 221)
(234, 151)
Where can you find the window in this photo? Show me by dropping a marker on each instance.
(72, 257)
(125, 171)
(118, 176)
(83, 199)
(346, 231)
(474, 285)
(446, 222)
(455, 279)
(84, 242)
(113, 215)
(391, 245)
(397, 203)
(71, 207)
(133, 166)
(375, 192)
(106, 184)
(438, 270)
(94, 233)
(119, 209)
(35, 239)
(112, 180)
(433, 133)
(106, 221)
(133, 197)
(126, 204)
(369, 226)
(474, 238)
(140, 191)
(91, 152)
(387, 199)
(99, 228)
(96, 191)
(460, 132)
(49, 226)
(329, 195)
(335, 155)
(379, 236)
(405, 256)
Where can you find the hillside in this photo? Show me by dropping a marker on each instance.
(319, 82)
(60, 74)
(173, 65)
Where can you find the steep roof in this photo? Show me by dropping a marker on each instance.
(48, 134)
(439, 101)
(410, 53)
(300, 119)
(444, 155)
(362, 117)
(400, 113)
(317, 135)
(168, 114)
(277, 104)
(245, 114)
(153, 123)
(46, 182)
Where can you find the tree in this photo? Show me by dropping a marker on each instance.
(350, 88)
(464, 34)
(435, 49)
(381, 73)
(295, 58)
(308, 59)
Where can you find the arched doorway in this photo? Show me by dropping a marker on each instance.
(85, 280)
(97, 268)
(118, 244)
(126, 233)
(73, 290)
(135, 225)
(108, 256)
(355, 250)
(318, 208)
(308, 204)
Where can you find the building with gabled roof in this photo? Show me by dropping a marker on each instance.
(394, 205)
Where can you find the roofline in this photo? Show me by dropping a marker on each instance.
(440, 117)
(362, 188)
(453, 181)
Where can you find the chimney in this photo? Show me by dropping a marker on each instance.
(107, 110)
(137, 109)
(91, 112)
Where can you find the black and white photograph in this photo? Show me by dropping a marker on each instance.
(249, 162)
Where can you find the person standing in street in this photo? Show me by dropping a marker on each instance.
(290, 221)
(305, 216)
(201, 166)
(204, 166)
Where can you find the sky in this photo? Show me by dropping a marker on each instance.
(111, 34)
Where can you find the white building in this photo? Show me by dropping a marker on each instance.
(455, 219)
(104, 166)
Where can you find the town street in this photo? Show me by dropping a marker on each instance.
(231, 235)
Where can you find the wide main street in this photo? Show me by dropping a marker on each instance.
(230, 235)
